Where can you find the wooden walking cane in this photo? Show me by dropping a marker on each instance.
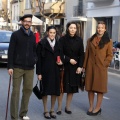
(8, 97)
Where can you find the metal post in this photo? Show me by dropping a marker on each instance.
(43, 3)
(6, 14)
(18, 9)
(119, 58)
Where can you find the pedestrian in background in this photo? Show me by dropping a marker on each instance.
(73, 51)
(47, 69)
(117, 45)
(98, 56)
(21, 60)
(37, 35)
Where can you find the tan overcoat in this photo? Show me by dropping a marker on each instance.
(96, 63)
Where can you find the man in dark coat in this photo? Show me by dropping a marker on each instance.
(21, 61)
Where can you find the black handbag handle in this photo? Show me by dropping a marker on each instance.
(37, 82)
(41, 85)
(83, 74)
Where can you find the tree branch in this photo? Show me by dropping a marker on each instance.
(59, 9)
(52, 8)
(41, 8)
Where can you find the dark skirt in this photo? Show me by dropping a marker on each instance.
(70, 89)
(64, 86)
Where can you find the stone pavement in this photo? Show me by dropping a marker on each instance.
(79, 104)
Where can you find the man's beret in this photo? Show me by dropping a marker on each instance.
(26, 16)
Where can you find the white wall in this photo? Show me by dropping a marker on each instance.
(114, 11)
(15, 15)
(103, 9)
(69, 10)
(14, 11)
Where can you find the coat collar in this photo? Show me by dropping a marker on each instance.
(48, 47)
(23, 30)
(69, 37)
(71, 41)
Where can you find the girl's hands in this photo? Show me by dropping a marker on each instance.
(73, 62)
(59, 63)
(79, 70)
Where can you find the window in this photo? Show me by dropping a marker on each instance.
(27, 4)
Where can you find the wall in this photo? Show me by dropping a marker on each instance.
(103, 9)
(69, 8)
(116, 28)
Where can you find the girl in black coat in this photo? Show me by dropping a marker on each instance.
(73, 50)
(47, 69)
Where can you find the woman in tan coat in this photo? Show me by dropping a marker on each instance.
(97, 59)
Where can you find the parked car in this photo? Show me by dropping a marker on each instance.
(4, 44)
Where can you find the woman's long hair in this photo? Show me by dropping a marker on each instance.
(67, 27)
(105, 38)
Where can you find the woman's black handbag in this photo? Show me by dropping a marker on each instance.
(82, 81)
(38, 91)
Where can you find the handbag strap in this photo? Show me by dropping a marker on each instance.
(83, 74)
(41, 85)
(37, 82)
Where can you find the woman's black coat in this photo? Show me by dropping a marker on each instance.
(72, 48)
(47, 67)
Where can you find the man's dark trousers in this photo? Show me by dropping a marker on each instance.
(27, 76)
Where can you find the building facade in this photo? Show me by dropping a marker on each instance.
(106, 10)
(75, 10)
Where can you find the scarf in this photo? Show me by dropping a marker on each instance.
(51, 42)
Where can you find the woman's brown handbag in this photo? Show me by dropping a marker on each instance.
(38, 91)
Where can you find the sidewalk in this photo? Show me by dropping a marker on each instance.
(112, 70)
(79, 105)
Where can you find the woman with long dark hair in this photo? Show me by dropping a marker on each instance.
(73, 51)
(47, 69)
(98, 56)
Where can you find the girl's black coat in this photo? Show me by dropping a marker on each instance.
(72, 48)
(47, 67)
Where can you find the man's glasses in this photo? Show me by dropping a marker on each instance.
(27, 22)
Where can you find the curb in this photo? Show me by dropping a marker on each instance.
(112, 70)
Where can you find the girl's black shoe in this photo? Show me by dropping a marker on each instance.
(52, 114)
(59, 112)
(96, 113)
(46, 116)
(68, 111)
(89, 113)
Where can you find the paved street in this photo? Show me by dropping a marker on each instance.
(110, 107)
